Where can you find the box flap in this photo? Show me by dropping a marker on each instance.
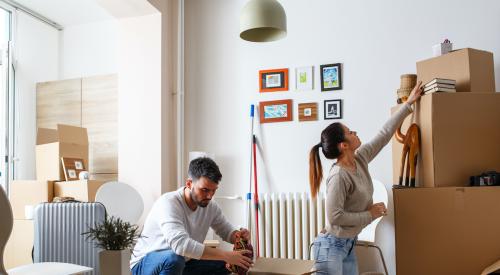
(281, 266)
(492, 268)
(45, 136)
(72, 134)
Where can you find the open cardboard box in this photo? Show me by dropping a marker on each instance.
(51, 145)
(80, 190)
(459, 138)
(277, 266)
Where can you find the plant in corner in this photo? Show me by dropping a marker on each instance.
(117, 238)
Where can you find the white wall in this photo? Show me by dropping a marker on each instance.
(89, 49)
(139, 105)
(36, 52)
(376, 41)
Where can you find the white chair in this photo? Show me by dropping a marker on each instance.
(38, 268)
(367, 236)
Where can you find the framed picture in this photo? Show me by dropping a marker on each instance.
(331, 77)
(273, 80)
(308, 111)
(275, 111)
(304, 78)
(333, 109)
(72, 168)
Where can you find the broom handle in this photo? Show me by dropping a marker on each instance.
(256, 196)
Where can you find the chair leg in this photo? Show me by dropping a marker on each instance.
(379, 251)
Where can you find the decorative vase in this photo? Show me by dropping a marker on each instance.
(114, 262)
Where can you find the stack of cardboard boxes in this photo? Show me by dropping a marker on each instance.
(443, 226)
(66, 141)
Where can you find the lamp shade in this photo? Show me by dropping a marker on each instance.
(262, 21)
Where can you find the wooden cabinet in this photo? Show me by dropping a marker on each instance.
(90, 102)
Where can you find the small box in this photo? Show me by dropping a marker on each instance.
(66, 141)
(459, 138)
(441, 48)
(29, 193)
(472, 69)
(80, 190)
(436, 228)
(278, 266)
(20, 243)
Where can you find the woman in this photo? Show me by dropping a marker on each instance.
(349, 189)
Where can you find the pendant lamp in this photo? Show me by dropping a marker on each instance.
(262, 21)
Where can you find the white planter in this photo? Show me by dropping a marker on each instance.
(442, 48)
(114, 262)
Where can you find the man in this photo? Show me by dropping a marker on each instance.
(172, 238)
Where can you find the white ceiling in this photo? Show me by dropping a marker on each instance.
(76, 12)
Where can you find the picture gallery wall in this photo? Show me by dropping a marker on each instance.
(281, 110)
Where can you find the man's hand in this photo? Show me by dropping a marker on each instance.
(238, 258)
(243, 233)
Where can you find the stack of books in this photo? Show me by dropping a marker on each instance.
(440, 85)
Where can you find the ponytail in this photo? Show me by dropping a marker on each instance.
(331, 137)
(315, 170)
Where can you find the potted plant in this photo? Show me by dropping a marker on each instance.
(117, 238)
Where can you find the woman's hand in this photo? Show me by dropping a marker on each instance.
(378, 210)
(416, 93)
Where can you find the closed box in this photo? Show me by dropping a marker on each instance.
(449, 230)
(29, 193)
(279, 266)
(459, 138)
(80, 190)
(66, 141)
(472, 69)
(20, 244)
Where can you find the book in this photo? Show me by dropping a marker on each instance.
(439, 85)
(440, 89)
(441, 81)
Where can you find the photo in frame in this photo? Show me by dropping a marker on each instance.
(273, 80)
(308, 111)
(72, 168)
(331, 77)
(333, 109)
(275, 111)
(304, 78)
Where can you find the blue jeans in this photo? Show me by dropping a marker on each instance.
(166, 262)
(335, 256)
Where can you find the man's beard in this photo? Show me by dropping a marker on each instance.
(203, 203)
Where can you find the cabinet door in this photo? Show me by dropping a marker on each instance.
(100, 117)
(59, 102)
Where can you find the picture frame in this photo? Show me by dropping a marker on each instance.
(275, 111)
(333, 109)
(274, 80)
(308, 111)
(304, 78)
(72, 168)
(331, 77)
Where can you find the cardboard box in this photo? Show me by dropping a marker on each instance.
(29, 192)
(472, 69)
(449, 230)
(18, 248)
(81, 190)
(66, 141)
(281, 266)
(460, 137)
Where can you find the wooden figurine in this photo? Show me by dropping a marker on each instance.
(410, 153)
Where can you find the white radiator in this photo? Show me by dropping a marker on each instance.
(288, 224)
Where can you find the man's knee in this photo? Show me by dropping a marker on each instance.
(172, 261)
